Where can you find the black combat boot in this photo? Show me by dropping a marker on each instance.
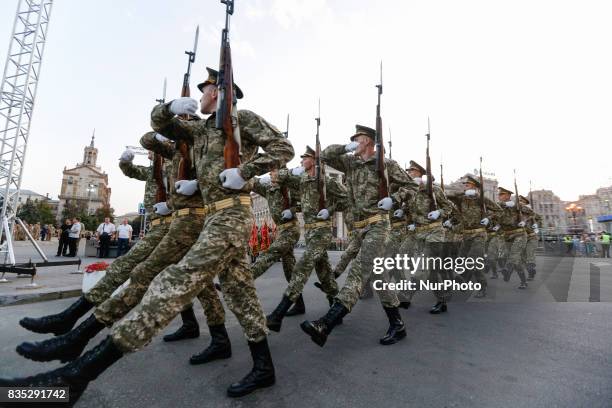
(220, 347)
(66, 347)
(367, 291)
(58, 323)
(262, 374)
(299, 308)
(397, 330)
(521, 275)
(405, 305)
(189, 330)
(275, 319)
(531, 270)
(318, 330)
(75, 375)
(507, 272)
(438, 308)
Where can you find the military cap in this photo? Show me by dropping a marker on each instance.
(212, 79)
(416, 166)
(364, 130)
(524, 199)
(309, 152)
(468, 178)
(501, 190)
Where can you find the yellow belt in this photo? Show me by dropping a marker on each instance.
(160, 221)
(214, 207)
(317, 224)
(474, 231)
(429, 226)
(532, 234)
(286, 225)
(373, 219)
(514, 231)
(398, 224)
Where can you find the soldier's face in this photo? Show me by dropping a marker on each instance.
(468, 186)
(307, 163)
(365, 144)
(414, 173)
(503, 197)
(208, 101)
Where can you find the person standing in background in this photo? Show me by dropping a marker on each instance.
(74, 236)
(104, 235)
(124, 237)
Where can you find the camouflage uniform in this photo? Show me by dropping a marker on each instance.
(222, 245)
(371, 224)
(182, 233)
(119, 271)
(495, 246)
(430, 235)
(532, 240)
(516, 240)
(393, 245)
(318, 235)
(288, 233)
(351, 250)
(474, 233)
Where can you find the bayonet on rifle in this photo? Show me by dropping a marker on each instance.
(433, 205)
(383, 186)
(319, 168)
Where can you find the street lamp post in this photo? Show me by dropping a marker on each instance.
(574, 209)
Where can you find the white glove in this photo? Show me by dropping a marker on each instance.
(448, 224)
(297, 171)
(470, 193)
(127, 156)
(496, 228)
(323, 214)
(535, 226)
(399, 213)
(521, 224)
(484, 221)
(186, 187)
(434, 215)
(536, 230)
(286, 215)
(385, 204)
(411, 227)
(265, 180)
(161, 208)
(418, 180)
(184, 106)
(509, 204)
(351, 147)
(231, 178)
(161, 138)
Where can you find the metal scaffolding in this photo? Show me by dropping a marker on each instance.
(17, 96)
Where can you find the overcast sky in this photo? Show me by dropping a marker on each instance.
(525, 84)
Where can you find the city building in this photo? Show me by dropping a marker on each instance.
(85, 183)
(555, 218)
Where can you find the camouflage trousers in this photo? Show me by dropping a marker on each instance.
(119, 271)
(349, 254)
(182, 234)
(393, 246)
(281, 248)
(473, 246)
(495, 247)
(372, 245)
(432, 244)
(515, 245)
(530, 248)
(314, 257)
(410, 247)
(221, 251)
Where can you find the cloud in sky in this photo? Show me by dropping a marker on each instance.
(525, 84)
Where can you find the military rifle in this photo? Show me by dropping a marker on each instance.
(433, 205)
(483, 208)
(383, 186)
(319, 167)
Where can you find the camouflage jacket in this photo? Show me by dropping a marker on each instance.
(208, 143)
(142, 173)
(175, 201)
(531, 217)
(416, 203)
(363, 180)
(469, 212)
(309, 195)
(507, 219)
(276, 202)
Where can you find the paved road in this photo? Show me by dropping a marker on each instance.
(517, 349)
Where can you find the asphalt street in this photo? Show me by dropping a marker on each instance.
(515, 349)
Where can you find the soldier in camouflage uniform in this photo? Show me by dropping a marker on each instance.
(398, 235)
(371, 227)
(351, 250)
(283, 214)
(475, 220)
(513, 228)
(220, 250)
(533, 221)
(495, 244)
(318, 235)
(429, 229)
(119, 271)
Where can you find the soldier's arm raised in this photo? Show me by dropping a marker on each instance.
(286, 179)
(335, 156)
(165, 122)
(134, 171)
(278, 150)
(149, 142)
(494, 211)
(445, 206)
(336, 195)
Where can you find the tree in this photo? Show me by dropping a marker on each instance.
(28, 212)
(45, 215)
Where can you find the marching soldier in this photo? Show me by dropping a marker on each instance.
(429, 231)
(495, 245)
(532, 228)
(119, 271)
(371, 228)
(514, 234)
(283, 214)
(318, 235)
(398, 235)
